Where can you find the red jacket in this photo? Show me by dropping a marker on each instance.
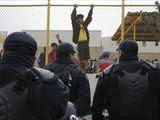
(104, 65)
(52, 56)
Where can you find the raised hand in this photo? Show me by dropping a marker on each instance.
(92, 5)
(75, 5)
(57, 36)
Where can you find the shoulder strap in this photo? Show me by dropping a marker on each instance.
(25, 80)
(66, 70)
(149, 65)
(64, 73)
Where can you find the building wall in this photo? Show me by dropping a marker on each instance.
(141, 55)
(65, 35)
(97, 43)
(110, 45)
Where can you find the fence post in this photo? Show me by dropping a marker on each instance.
(47, 32)
(122, 27)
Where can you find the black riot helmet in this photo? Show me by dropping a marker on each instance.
(20, 42)
(128, 46)
(64, 49)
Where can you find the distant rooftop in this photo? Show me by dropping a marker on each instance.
(145, 25)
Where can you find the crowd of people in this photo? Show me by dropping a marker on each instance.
(43, 93)
(127, 89)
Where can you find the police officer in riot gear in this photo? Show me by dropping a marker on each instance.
(129, 90)
(73, 77)
(28, 93)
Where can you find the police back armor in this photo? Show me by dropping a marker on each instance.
(17, 99)
(132, 95)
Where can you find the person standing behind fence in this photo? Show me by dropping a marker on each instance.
(81, 35)
(104, 61)
(58, 38)
(41, 59)
(52, 55)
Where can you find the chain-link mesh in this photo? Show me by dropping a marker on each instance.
(141, 24)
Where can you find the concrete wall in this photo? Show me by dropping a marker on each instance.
(65, 35)
(141, 55)
(97, 43)
(110, 45)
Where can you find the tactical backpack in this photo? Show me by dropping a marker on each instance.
(14, 98)
(64, 73)
(132, 95)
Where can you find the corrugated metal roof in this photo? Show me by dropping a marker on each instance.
(147, 27)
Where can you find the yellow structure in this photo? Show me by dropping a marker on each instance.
(2, 38)
(47, 33)
(140, 26)
(123, 24)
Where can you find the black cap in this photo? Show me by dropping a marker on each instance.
(105, 54)
(128, 46)
(54, 44)
(65, 47)
(79, 16)
(17, 41)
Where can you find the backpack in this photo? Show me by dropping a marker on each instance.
(64, 73)
(14, 98)
(132, 95)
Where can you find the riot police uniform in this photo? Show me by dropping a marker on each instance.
(77, 81)
(129, 90)
(27, 92)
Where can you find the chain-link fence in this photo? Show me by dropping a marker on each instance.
(142, 23)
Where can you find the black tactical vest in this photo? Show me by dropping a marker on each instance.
(132, 97)
(17, 97)
(11, 103)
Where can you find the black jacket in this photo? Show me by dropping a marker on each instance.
(79, 91)
(55, 94)
(41, 59)
(76, 25)
(103, 96)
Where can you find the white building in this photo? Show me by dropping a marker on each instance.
(150, 47)
(66, 36)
